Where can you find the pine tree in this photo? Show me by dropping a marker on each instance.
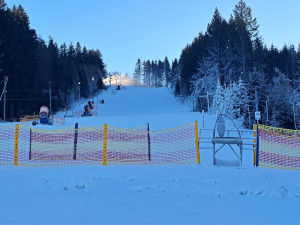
(147, 73)
(153, 68)
(173, 74)
(259, 54)
(137, 73)
(78, 53)
(217, 46)
(159, 74)
(256, 82)
(177, 90)
(84, 54)
(243, 30)
(167, 72)
(63, 51)
(175, 77)
(71, 51)
(2, 5)
(52, 50)
(243, 16)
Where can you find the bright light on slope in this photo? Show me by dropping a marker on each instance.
(118, 79)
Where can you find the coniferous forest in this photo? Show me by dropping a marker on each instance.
(32, 65)
(219, 72)
(222, 68)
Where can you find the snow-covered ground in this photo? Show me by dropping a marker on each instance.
(132, 107)
(166, 195)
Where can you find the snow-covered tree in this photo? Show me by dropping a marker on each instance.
(256, 82)
(295, 103)
(218, 105)
(279, 100)
(230, 100)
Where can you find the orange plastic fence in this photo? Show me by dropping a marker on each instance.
(279, 148)
(91, 145)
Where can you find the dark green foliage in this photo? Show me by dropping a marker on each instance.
(177, 91)
(30, 64)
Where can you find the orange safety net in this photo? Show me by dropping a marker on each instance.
(7, 142)
(95, 145)
(279, 148)
(175, 145)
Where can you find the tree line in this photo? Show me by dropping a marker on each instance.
(222, 68)
(33, 65)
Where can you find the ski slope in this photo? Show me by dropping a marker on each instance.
(160, 195)
(132, 107)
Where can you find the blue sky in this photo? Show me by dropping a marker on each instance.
(125, 30)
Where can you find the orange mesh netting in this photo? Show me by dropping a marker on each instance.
(279, 148)
(7, 142)
(175, 145)
(104, 144)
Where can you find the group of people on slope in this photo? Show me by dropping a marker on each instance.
(88, 108)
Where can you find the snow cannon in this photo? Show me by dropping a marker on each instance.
(44, 115)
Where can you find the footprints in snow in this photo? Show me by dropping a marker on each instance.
(253, 193)
(173, 185)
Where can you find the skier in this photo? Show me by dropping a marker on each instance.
(87, 111)
(90, 104)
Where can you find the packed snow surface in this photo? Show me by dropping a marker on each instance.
(160, 195)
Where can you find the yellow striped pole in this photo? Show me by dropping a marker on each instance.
(16, 155)
(197, 141)
(105, 145)
(254, 146)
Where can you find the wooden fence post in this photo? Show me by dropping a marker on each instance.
(16, 154)
(105, 145)
(75, 141)
(197, 141)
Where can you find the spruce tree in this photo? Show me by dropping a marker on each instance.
(137, 73)
(167, 72)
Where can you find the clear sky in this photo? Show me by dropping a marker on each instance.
(125, 30)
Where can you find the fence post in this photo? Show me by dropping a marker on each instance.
(30, 139)
(254, 146)
(257, 145)
(149, 143)
(202, 118)
(105, 145)
(16, 154)
(197, 141)
(75, 141)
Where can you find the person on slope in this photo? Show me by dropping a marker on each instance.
(90, 104)
(87, 111)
